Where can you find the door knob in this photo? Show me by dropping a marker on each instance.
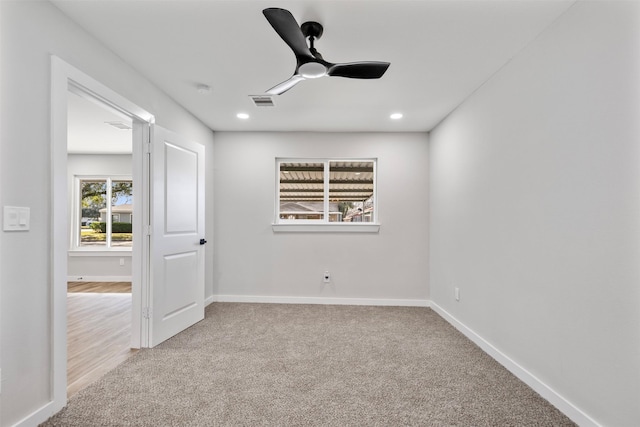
(202, 241)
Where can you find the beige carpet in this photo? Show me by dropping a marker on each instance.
(295, 365)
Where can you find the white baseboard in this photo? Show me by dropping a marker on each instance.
(41, 415)
(566, 407)
(99, 278)
(208, 300)
(319, 300)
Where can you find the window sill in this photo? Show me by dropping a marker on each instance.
(325, 228)
(123, 252)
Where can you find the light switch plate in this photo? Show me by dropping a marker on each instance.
(16, 218)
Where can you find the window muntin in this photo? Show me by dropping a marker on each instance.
(323, 191)
(93, 230)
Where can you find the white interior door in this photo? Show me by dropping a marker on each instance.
(177, 227)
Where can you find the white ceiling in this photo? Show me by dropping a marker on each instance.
(89, 131)
(440, 53)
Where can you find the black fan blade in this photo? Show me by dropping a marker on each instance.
(286, 26)
(359, 70)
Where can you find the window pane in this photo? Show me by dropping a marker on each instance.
(94, 210)
(351, 192)
(301, 191)
(121, 213)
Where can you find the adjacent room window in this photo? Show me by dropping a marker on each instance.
(326, 191)
(105, 213)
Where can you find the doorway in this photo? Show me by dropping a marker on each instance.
(167, 255)
(100, 194)
(66, 78)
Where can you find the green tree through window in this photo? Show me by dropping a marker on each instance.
(105, 224)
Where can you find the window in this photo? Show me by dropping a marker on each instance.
(323, 191)
(99, 199)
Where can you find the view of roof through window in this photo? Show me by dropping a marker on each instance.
(330, 191)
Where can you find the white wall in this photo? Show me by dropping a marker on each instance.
(94, 267)
(253, 261)
(535, 210)
(29, 33)
(114, 268)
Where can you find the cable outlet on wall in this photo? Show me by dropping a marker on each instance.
(456, 293)
(326, 277)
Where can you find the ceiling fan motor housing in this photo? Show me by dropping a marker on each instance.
(312, 70)
(312, 29)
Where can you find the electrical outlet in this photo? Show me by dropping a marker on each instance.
(326, 278)
(121, 261)
(456, 292)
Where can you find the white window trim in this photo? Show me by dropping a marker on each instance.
(119, 252)
(334, 227)
(76, 249)
(324, 226)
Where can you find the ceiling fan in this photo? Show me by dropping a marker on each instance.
(309, 62)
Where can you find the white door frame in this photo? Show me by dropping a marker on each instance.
(64, 76)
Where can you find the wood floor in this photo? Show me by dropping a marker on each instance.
(101, 287)
(98, 330)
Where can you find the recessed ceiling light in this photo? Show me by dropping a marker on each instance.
(242, 116)
(396, 116)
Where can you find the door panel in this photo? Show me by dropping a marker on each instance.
(179, 268)
(181, 189)
(177, 225)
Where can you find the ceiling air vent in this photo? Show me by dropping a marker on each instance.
(119, 125)
(262, 100)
